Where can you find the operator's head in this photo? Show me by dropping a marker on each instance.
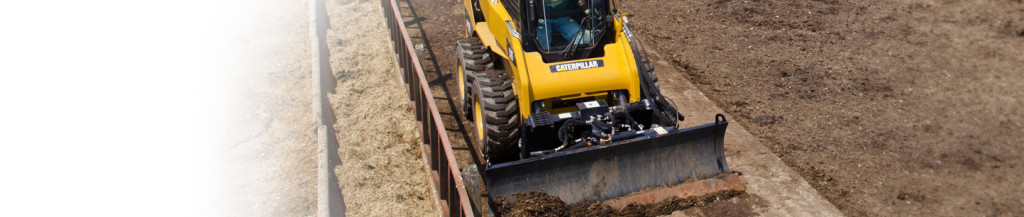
(557, 3)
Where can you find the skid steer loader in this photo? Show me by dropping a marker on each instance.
(564, 100)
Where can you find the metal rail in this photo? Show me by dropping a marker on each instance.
(444, 170)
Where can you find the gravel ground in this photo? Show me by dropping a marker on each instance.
(382, 171)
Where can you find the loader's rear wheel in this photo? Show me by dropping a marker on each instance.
(496, 116)
(472, 58)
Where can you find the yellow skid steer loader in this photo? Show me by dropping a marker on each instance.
(564, 100)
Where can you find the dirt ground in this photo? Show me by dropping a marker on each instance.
(270, 156)
(888, 108)
(539, 203)
(431, 24)
(382, 168)
(434, 25)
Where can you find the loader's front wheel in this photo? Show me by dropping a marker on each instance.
(651, 73)
(472, 58)
(496, 116)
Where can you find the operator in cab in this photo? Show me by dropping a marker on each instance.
(554, 23)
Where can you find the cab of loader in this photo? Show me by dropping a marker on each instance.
(562, 30)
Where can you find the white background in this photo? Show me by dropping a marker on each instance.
(109, 108)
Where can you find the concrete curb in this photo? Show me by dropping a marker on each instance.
(327, 202)
(323, 175)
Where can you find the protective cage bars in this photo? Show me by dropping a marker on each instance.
(444, 170)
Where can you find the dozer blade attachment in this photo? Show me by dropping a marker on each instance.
(604, 172)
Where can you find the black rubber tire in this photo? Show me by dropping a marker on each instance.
(653, 74)
(473, 57)
(500, 113)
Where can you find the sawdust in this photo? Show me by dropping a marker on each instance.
(382, 171)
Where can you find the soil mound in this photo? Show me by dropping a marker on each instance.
(539, 203)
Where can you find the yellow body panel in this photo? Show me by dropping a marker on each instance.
(532, 77)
